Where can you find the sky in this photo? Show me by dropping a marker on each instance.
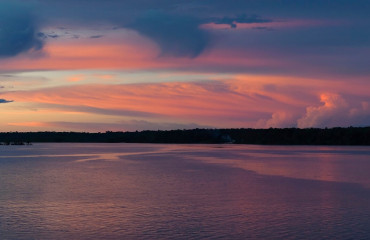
(127, 65)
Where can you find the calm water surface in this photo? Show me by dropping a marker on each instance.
(152, 191)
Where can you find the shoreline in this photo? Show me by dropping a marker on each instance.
(351, 136)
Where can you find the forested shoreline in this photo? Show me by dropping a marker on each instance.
(271, 136)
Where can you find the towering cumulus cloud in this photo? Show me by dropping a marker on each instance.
(18, 29)
(333, 113)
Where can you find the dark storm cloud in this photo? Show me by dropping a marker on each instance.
(5, 101)
(175, 24)
(176, 35)
(42, 35)
(125, 9)
(243, 18)
(128, 10)
(18, 30)
(287, 8)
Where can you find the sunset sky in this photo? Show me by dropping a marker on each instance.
(126, 65)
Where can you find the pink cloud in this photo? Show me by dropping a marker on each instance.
(335, 112)
(108, 54)
(277, 120)
(330, 114)
(76, 78)
(222, 103)
(241, 101)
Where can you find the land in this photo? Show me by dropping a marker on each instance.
(271, 136)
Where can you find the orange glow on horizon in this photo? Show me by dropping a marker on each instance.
(28, 124)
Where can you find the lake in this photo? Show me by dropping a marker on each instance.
(159, 191)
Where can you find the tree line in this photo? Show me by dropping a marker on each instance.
(271, 136)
